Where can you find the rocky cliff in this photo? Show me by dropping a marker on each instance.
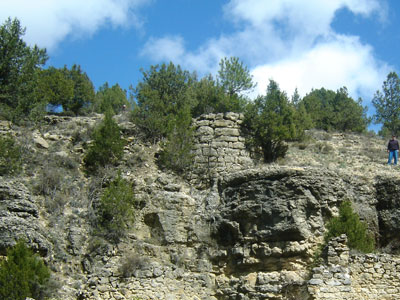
(239, 230)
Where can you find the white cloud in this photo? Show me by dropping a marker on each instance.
(290, 41)
(342, 62)
(172, 48)
(50, 21)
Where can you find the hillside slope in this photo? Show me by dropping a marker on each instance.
(251, 234)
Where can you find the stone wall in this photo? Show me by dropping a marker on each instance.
(355, 277)
(219, 146)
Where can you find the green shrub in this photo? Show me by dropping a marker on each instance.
(349, 223)
(115, 209)
(10, 156)
(177, 154)
(23, 274)
(107, 147)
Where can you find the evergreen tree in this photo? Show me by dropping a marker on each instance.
(84, 93)
(234, 76)
(176, 151)
(209, 97)
(235, 79)
(115, 209)
(348, 114)
(10, 156)
(110, 97)
(295, 97)
(23, 274)
(387, 104)
(19, 65)
(349, 223)
(269, 122)
(331, 110)
(55, 87)
(164, 91)
(107, 147)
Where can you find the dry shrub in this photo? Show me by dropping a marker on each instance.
(324, 148)
(131, 263)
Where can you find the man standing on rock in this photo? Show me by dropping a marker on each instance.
(393, 149)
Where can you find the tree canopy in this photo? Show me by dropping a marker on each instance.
(330, 110)
(54, 87)
(270, 121)
(115, 209)
(234, 76)
(387, 104)
(71, 88)
(84, 93)
(23, 274)
(161, 95)
(110, 97)
(349, 223)
(19, 66)
(209, 97)
(107, 147)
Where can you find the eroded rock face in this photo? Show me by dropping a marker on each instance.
(19, 218)
(388, 207)
(248, 235)
(269, 223)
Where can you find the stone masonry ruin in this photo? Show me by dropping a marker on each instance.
(219, 146)
(355, 276)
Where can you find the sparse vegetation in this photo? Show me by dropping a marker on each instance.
(131, 263)
(323, 147)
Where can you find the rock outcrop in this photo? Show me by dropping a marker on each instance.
(388, 207)
(233, 230)
(19, 218)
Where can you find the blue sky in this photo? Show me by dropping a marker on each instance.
(301, 44)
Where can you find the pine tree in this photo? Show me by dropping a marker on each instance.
(107, 147)
(387, 104)
(23, 274)
(349, 223)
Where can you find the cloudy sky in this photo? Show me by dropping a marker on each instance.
(301, 44)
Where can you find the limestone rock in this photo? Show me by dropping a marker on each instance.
(19, 218)
(388, 207)
(41, 142)
(231, 230)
